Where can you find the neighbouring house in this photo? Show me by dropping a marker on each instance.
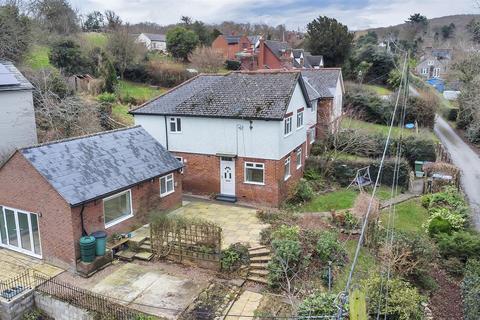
(434, 63)
(153, 41)
(53, 193)
(302, 59)
(241, 136)
(328, 85)
(17, 123)
(229, 46)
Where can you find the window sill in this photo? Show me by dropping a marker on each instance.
(162, 195)
(311, 142)
(287, 135)
(254, 183)
(175, 131)
(117, 221)
(299, 128)
(298, 167)
(287, 177)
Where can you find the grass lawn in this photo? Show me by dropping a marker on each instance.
(37, 57)
(339, 200)
(372, 128)
(382, 91)
(409, 216)
(138, 91)
(94, 39)
(120, 113)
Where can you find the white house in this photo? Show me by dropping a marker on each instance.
(241, 136)
(153, 41)
(17, 120)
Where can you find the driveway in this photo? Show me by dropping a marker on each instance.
(239, 224)
(467, 160)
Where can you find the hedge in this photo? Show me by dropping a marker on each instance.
(343, 171)
(471, 290)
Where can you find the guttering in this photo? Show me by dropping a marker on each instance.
(84, 232)
(166, 132)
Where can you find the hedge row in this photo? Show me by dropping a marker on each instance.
(344, 171)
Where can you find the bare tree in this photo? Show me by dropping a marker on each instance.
(124, 49)
(207, 59)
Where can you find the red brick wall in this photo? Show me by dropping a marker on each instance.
(324, 114)
(145, 200)
(22, 187)
(227, 50)
(287, 187)
(201, 173)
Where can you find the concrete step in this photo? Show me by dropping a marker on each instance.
(260, 259)
(257, 279)
(258, 266)
(258, 272)
(144, 255)
(259, 253)
(256, 248)
(226, 198)
(125, 255)
(146, 247)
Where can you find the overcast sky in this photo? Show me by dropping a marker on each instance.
(357, 14)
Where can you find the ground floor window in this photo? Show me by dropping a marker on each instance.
(254, 173)
(311, 135)
(299, 158)
(287, 174)
(117, 208)
(166, 185)
(19, 231)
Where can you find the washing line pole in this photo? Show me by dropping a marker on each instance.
(343, 296)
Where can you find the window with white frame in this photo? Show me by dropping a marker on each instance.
(181, 160)
(299, 158)
(311, 134)
(286, 173)
(287, 126)
(117, 208)
(436, 72)
(299, 119)
(167, 185)
(254, 173)
(430, 62)
(175, 125)
(424, 70)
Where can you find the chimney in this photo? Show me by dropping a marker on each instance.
(261, 53)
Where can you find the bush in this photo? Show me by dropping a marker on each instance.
(439, 225)
(303, 192)
(367, 105)
(137, 73)
(421, 109)
(233, 257)
(404, 301)
(461, 245)
(473, 132)
(107, 98)
(455, 220)
(453, 266)
(232, 65)
(285, 261)
(285, 232)
(318, 304)
(471, 290)
(167, 74)
(329, 248)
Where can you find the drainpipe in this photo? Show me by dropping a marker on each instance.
(84, 232)
(166, 132)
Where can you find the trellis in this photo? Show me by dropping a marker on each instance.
(179, 239)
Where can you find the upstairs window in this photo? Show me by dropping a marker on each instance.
(286, 173)
(299, 158)
(300, 119)
(312, 135)
(287, 126)
(254, 173)
(175, 125)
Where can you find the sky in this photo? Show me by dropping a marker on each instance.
(356, 14)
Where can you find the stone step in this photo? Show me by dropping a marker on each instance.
(256, 248)
(145, 247)
(125, 255)
(258, 266)
(258, 272)
(259, 253)
(257, 279)
(260, 259)
(144, 255)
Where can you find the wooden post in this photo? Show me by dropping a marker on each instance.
(358, 305)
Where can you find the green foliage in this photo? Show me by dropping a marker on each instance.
(462, 245)
(455, 221)
(94, 22)
(232, 65)
(453, 266)
(233, 257)
(439, 225)
(303, 192)
(107, 98)
(56, 16)
(35, 314)
(318, 304)
(329, 248)
(417, 18)
(471, 290)
(330, 38)
(181, 42)
(285, 261)
(285, 232)
(448, 30)
(473, 133)
(67, 55)
(381, 62)
(394, 79)
(15, 32)
(474, 28)
(404, 301)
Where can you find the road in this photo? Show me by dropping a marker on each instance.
(467, 160)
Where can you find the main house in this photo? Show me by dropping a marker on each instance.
(153, 41)
(17, 123)
(52, 194)
(434, 63)
(242, 135)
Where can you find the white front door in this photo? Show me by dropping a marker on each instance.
(227, 176)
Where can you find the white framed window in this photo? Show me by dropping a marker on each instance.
(430, 62)
(167, 185)
(175, 125)
(300, 119)
(255, 173)
(117, 208)
(299, 159)
(287, 126)
(286, 173)
(181, 160)
(311, 135)
(436, 72)
(424, 70)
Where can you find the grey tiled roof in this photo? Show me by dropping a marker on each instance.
(155, 37)
(255, 95)
(312, 61)
(23, 82)
(324, 80)
(92, 167)
(232, 39)
(277, 47)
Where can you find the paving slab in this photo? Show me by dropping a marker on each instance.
(13, 264)
(245, 306)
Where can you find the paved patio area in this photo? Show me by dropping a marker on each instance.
(245, 306)
(239, 224)
(13, 264)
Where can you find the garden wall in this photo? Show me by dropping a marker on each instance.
(14, 309)
(59, 310)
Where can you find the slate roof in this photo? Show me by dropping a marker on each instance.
(11, 69)
(254, 39)
(232, 39)
(156, 37)
(441, 53)
(277, 47)
(248, 95)
(324, 80)
(312, 61)
(92, 167)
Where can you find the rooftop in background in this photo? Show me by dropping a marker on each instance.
(11, 79)
(324, 80)
(91, 167)
(155, 37)
(277, 47)
(248, 95)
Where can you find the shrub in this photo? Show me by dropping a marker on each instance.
(329, 248)
(207, 59)
(137, 73)
(439, 225)
(303, 192)
(285, 261)
(167, 74)
(404, 301)
(473, 132)
(233, 257)
(318, 304)
(454, 219)
(461, 245)
(453, 266)
(285, 232)
(106, 98)
(471, 290)
(421, 109)
(232, 65)
(368, 105)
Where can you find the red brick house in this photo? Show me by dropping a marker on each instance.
(53, 193)
(229, 46)
(241, 136)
